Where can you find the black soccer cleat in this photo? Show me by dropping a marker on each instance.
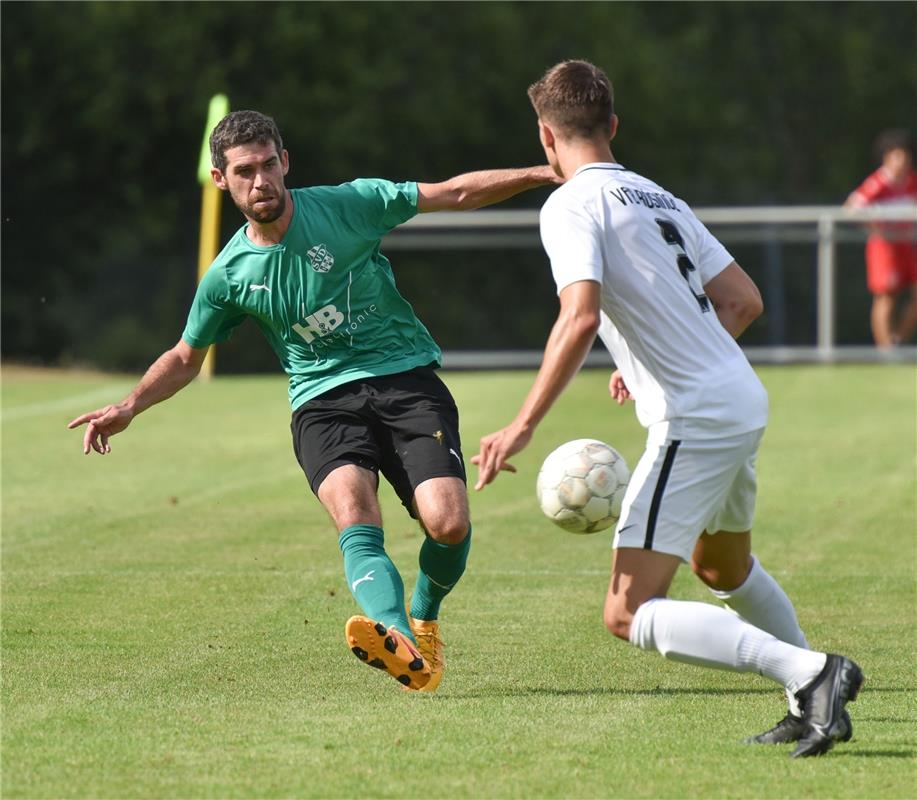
(822, 703)
(792, 728)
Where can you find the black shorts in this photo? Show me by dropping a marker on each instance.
(403, 425)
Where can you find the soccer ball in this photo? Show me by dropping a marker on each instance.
(581, 485)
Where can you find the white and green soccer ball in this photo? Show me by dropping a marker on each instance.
(581, 485)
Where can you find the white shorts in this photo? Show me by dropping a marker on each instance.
(679, 489)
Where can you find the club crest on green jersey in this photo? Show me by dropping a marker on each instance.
(320, 258)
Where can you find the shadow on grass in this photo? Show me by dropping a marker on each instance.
(873, 754)
(606, 690)
(658, 690)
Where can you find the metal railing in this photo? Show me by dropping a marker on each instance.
(519, 228)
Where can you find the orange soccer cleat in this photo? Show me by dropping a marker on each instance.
(388, 649)
(431, 647)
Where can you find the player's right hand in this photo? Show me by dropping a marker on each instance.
(103, 423)
(495, 449)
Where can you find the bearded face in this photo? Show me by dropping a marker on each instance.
(254, 179)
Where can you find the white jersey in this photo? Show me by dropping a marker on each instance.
(652, 257)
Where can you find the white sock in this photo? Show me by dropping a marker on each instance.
(761, 601)
(702, 634)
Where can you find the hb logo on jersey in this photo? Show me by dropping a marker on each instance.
(321, 323)
(320, 258)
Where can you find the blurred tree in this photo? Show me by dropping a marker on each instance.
(103, 105)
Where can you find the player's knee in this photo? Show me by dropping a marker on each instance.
(707, 574)
(448, 528)
(617, 621)
(721, 577)
(445, 519)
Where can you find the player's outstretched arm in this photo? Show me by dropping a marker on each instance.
(736, 299)
(478, 189)
(567, 347)
(173, 370)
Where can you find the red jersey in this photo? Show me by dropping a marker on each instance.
(891, 255)
(877, 188)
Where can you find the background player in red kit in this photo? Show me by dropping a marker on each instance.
(891, 250)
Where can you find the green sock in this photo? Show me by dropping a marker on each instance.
(373, 578)
(441, 566)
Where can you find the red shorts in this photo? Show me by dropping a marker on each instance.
(890, 266)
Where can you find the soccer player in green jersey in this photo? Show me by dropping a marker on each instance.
(307, 268)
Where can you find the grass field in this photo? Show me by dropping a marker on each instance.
(172, 614)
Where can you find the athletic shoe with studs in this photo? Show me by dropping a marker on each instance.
(387, 649)
(822, 703)
(792, 728)
(431, 647)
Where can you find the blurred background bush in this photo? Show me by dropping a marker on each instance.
(104, 104)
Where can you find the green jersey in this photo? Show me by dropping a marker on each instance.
(325, 297)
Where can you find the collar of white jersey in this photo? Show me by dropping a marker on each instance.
(604, 165)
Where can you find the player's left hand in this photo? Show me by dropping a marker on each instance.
(549, 176)
(617, 388)
(495, 449)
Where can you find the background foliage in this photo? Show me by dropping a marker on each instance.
(103, 108)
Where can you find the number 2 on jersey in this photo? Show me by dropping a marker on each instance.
(686, 267)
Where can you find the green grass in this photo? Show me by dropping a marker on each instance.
(172, 614)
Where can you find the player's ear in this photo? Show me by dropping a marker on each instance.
(613, 127)
(285, 161)
(218, 178)
(546, 135)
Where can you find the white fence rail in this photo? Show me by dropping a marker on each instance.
(519, 228)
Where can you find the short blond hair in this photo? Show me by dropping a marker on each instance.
(576, 97)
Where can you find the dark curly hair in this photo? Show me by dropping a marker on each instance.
(242, 127)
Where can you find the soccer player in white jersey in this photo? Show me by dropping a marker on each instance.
(633, 264)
